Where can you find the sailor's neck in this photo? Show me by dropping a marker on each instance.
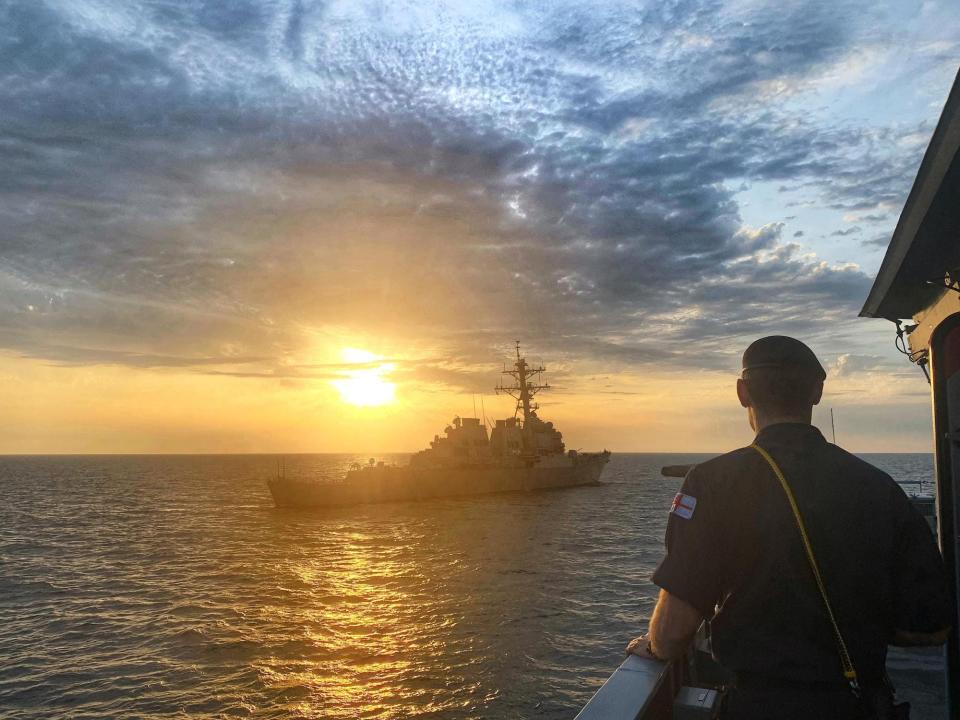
(760, 422)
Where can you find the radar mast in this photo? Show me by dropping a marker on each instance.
(526, 384)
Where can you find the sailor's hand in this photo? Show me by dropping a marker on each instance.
(639, 647)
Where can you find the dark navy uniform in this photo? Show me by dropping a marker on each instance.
(735, 554)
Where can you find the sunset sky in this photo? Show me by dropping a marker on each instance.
(272, 226)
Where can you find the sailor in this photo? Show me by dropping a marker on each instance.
(735, 556)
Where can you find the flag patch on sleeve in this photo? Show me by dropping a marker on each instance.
(684, 505)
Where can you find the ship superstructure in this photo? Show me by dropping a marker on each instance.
(520, 453)
(536, 438)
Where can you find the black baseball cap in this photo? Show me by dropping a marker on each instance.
(780, 351)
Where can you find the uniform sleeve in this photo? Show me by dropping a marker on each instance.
(921, 599)
(690, 570)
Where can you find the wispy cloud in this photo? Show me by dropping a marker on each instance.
(211, 185)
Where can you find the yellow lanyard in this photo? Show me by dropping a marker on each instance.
(849, 672)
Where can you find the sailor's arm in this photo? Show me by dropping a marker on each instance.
(672, 627)
(689, 574)
(923, 608)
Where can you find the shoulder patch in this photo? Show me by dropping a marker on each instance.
(684, 505)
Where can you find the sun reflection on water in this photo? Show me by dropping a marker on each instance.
(372, 618)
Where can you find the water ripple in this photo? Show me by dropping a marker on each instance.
(158, 586)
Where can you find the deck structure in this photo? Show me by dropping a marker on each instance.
(918, 290)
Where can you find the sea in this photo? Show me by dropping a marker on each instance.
(170, 586)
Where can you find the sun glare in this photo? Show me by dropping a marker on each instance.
(368, 384)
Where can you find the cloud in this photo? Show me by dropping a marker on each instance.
(248, 175)
(847, 231)
(850, 364)
(878, 241)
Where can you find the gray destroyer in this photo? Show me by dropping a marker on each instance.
(518, 455)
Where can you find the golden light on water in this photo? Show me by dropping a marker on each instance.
(369, 384)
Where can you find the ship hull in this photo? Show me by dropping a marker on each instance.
(393, 484)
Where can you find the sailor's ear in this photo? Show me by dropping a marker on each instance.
(817, 394)
(743, 393)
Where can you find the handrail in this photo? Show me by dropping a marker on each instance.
(638, 689)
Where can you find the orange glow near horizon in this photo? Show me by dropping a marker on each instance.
(87, 409)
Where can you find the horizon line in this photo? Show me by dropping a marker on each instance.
(369, 453)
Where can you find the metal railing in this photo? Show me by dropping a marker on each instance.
(639, 688)
(642, 689)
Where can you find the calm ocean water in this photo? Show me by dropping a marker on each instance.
(159, 586)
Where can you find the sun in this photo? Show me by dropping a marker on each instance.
(365, 389)
(368, 383)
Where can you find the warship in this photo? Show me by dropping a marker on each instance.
(521, 453)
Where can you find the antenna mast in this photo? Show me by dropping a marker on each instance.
(526, 384)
